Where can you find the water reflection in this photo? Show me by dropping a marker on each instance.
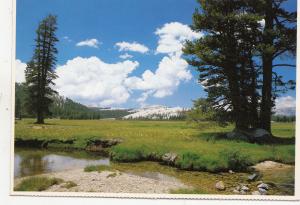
(31, 162)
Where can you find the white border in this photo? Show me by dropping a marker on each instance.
(7, 56)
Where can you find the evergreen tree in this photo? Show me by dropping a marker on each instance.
(40, 71)
(278, 39)
(224, 58)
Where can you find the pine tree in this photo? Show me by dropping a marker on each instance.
(40, 71)
(278, 39)
(224, 58)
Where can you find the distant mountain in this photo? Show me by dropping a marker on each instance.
(157, 112)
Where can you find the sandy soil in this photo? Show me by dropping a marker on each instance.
(110, 182)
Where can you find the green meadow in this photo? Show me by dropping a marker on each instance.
(197, 146)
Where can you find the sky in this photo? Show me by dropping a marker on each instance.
(120, 53)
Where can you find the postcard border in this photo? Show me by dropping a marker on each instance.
(296, 197)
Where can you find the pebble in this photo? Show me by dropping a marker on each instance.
(245, 188)
(220, 185)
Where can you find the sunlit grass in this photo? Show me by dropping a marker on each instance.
(144, 140)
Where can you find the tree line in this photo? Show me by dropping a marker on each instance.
(61, 108)
(237, 58)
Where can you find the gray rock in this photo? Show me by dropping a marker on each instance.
(263, 186)
(220, 185)
(231, 172)
(169, 158)
(252, 177)
(256, 193)
(262, 191)
(245, 188)
(257, 133)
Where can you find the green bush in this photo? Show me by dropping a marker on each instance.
(236, 160)
(37, 184)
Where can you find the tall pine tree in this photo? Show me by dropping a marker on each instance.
(40, 71)
(278, 39)
(224, 58)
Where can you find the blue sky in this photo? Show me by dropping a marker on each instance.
(110, 22)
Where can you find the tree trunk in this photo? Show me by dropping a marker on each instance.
(267, 60)
(40, 117)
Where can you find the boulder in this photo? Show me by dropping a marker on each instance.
(262, 191)
(220, 186)
(258, 133)
(263, 186)
(251, 135)
(169, 158)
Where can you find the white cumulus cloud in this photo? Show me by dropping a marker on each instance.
(89, 42)
(172, 36)
(285, 105)
(126, 56)
(134, 46)
(172, 69)
(93, 82)
(20, 71)
(164, 81)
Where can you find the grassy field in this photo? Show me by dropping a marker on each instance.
(196, 147)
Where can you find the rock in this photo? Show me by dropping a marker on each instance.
(220, 186)
(231, 172)
(263, 186)
(262, 191)
(250, 135)
(169, 158)
(258, 133)
(245, 188)
(256, 193)
(252, 177)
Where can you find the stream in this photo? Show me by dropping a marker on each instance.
(30, 162)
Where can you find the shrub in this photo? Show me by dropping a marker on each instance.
(236, 160)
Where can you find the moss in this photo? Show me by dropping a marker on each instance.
(98, 168)
(69, 184)
(37, 184)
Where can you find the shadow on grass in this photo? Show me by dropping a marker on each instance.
(216, 136)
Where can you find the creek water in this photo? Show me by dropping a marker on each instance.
(29, 162)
